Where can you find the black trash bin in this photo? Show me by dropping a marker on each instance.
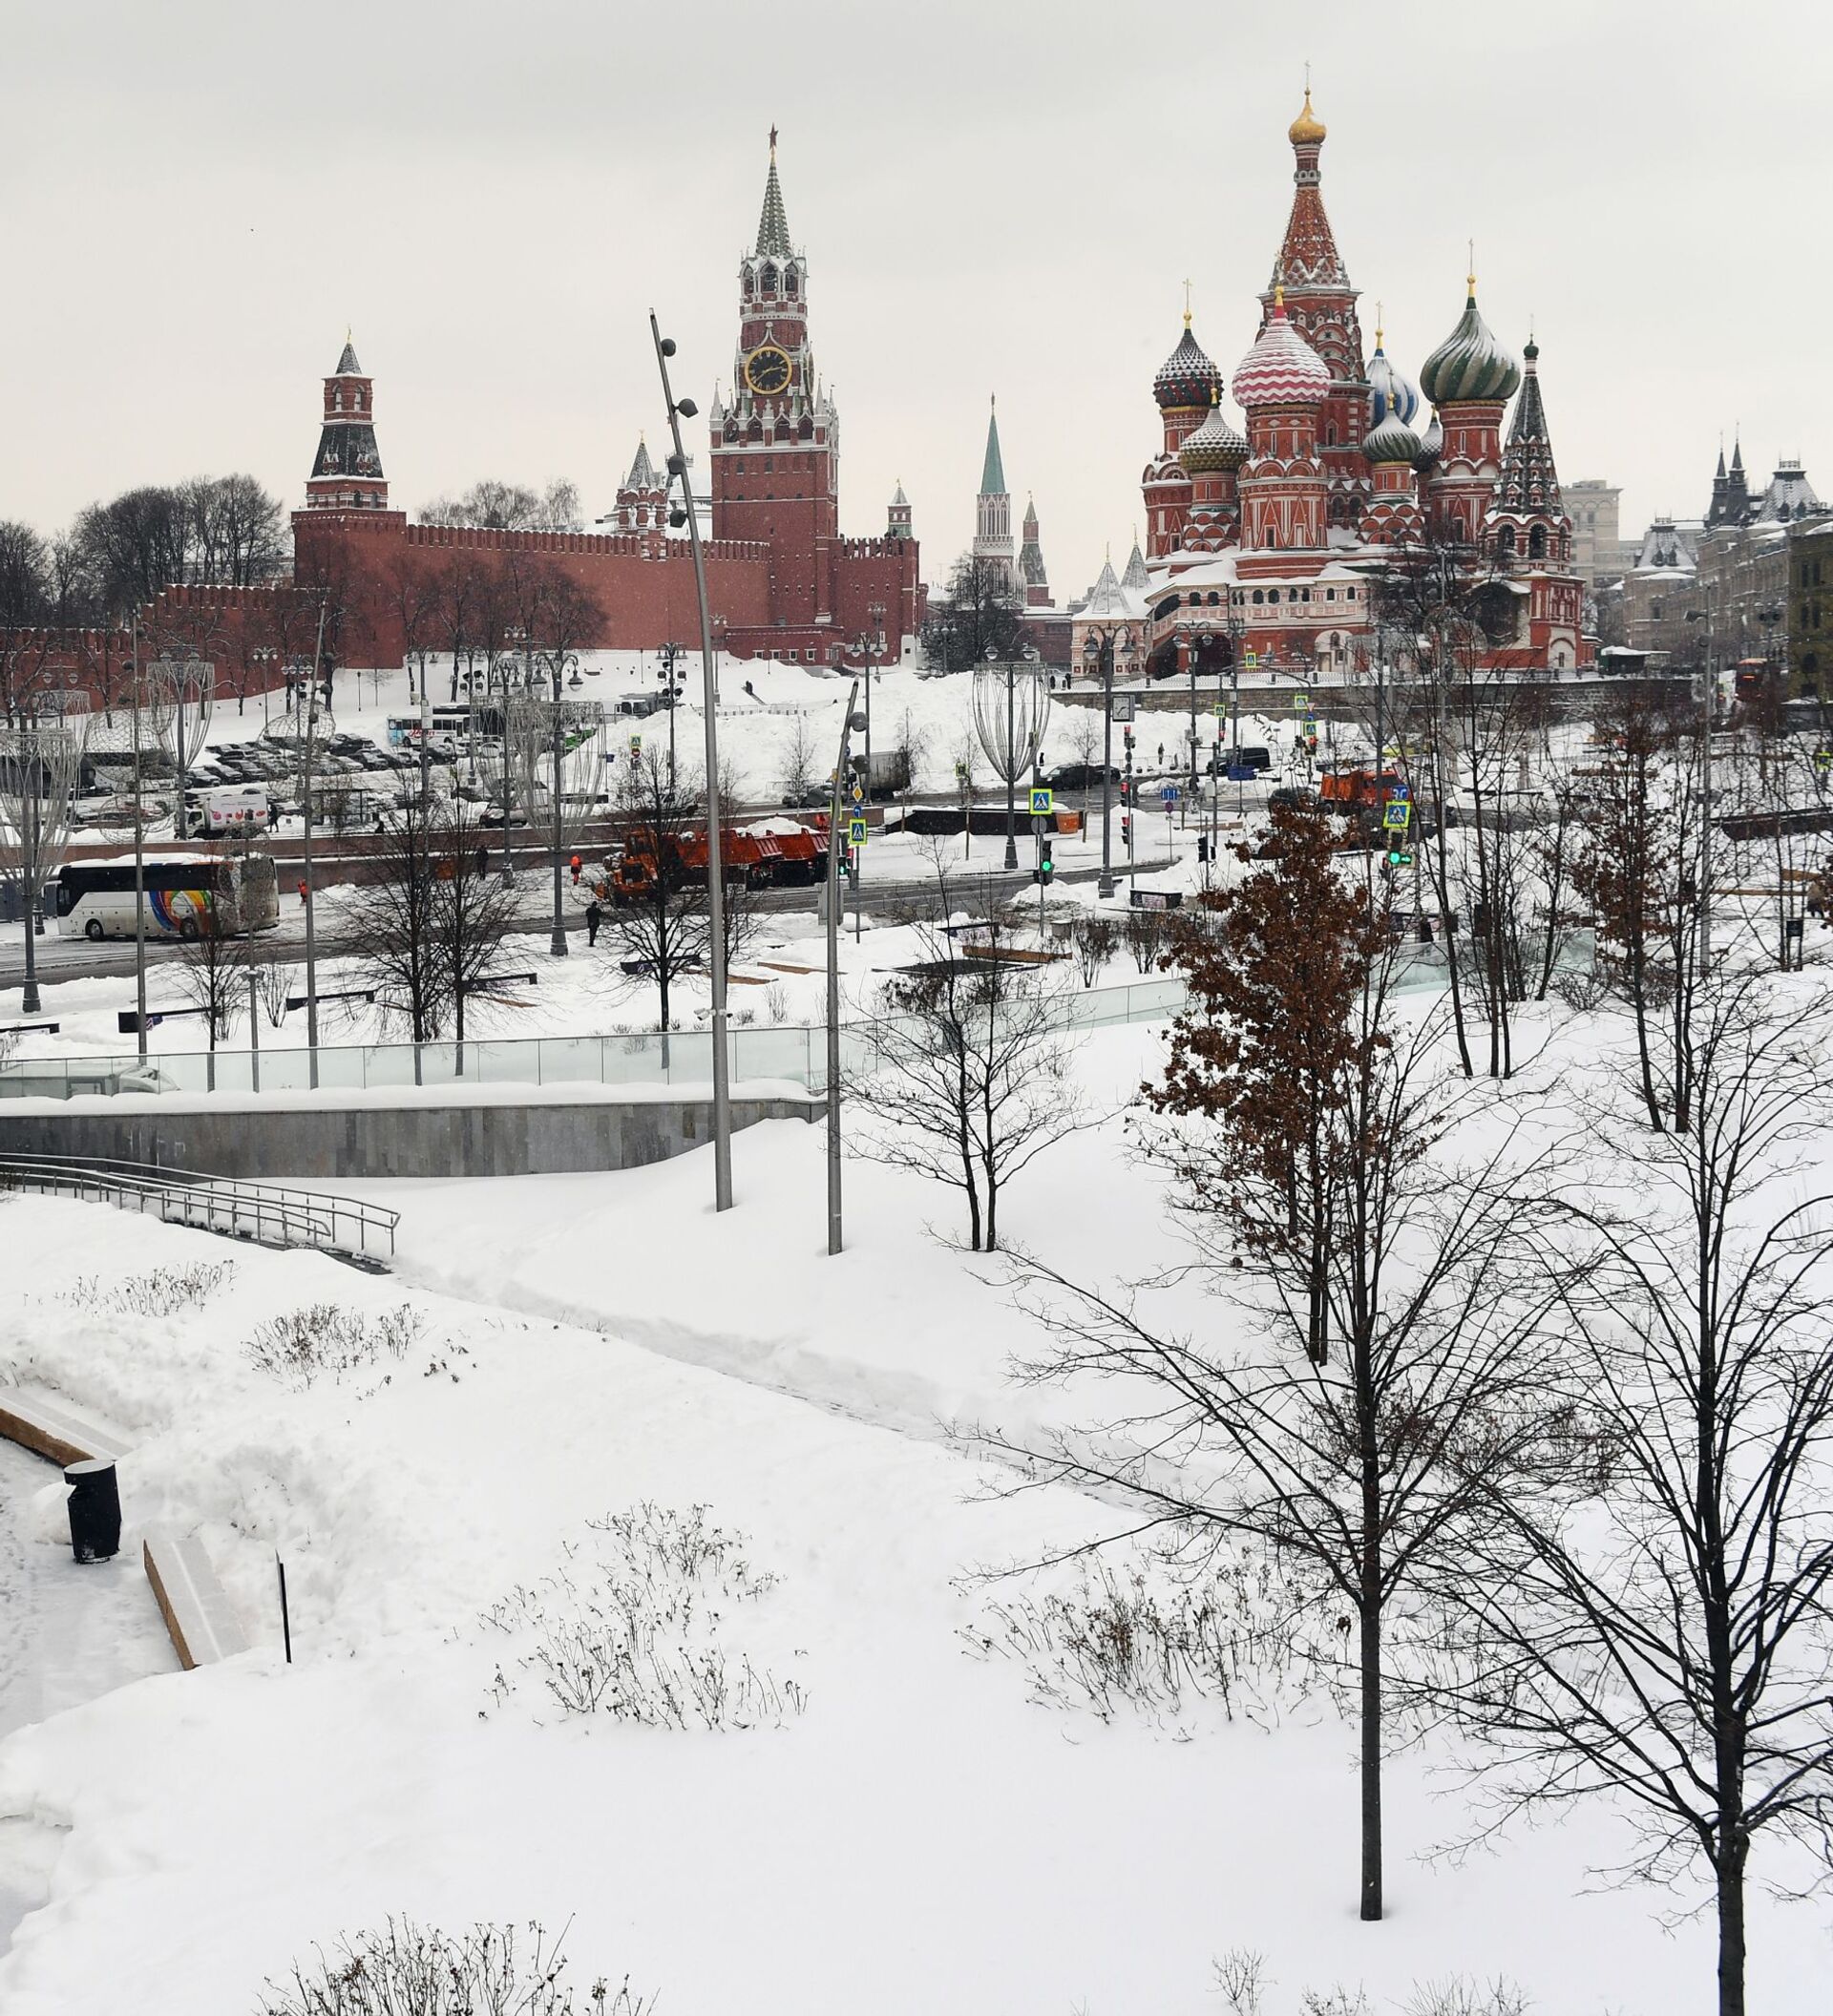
(95, 1510)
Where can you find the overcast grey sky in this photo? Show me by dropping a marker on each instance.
(995, 195)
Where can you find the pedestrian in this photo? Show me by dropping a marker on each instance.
(482, 861)
(304, 894)
(1161, 755)
(593, 918)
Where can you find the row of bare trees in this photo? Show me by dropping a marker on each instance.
(1534, 1381)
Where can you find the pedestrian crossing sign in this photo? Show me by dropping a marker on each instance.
(856, 833)
(1043, 803)
(1397, 815)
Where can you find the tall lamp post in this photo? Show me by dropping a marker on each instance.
(851, 725)
(680, 409)
(1009, 725)
(1100, 654)
(860, 652)
(1708, 711)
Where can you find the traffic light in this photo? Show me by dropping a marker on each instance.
(1397, 859)
(1046, 868)
(1126, 829)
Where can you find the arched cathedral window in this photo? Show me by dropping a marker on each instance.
(767, 279)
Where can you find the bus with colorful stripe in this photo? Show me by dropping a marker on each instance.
(184, 896)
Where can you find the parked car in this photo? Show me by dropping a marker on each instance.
(812, 797)
(1079, 776)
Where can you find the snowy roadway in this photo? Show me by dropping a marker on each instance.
(67, 1635)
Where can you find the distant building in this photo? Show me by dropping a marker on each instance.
(1731, 569)
(1810, 607)
(1658, 590)
(1597, 544)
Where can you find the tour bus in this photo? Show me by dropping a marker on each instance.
(451, 726)
(184, 896)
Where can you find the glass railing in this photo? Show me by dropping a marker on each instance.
(767, 1054)
(785, 1053)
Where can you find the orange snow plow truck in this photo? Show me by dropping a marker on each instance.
(774, 854)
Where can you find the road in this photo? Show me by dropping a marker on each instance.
(60, 959)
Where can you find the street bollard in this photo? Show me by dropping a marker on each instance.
(95, 1510)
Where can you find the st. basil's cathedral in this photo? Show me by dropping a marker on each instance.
(1267, 540)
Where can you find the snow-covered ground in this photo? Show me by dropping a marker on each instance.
(918, 1835)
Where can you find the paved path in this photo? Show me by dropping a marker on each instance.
(67, 1635)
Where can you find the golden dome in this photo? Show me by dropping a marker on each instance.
(1307, 126)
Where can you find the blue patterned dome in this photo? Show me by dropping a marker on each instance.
(1431, 445)
(1390, 390)
(1470, 363)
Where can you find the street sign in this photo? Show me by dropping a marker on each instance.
(1169, 796)
(859, 792)
(1251, 662)
(1397, 815)
(1301, 703)
(856, 833)
(1124, 707)
(1043, 803)
(1220, 708)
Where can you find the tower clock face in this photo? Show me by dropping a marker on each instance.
(767, 370)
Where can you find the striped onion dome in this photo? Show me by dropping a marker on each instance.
(1391, 440)
(1431, 445)
(1389, 391)
(1470, 363)
(1187, 377)
(1282, 368)
(1213, 446)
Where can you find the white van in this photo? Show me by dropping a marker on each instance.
(229, 809)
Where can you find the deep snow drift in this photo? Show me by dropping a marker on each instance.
(912, 1833)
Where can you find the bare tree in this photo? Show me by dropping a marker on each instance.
(1641, 865)
(980, 1071)
(211, 972)
(658, 914)
(801, 765)
(1385, 1357)
(1658, 1629)
(509, 507)
(982, 613)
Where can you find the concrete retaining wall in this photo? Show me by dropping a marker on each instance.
(369, 1142)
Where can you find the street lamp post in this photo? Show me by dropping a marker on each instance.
(1708, 711)
(1104, 654)
(671, 656)
(850, 724)
(678, 410)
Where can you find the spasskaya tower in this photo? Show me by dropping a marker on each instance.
(776, 441)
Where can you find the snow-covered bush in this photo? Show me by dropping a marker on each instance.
(1243, 1983)
(160, 1294)
(324, 1340)
(630, 1625)
(402, 1966)
(1156, 1638)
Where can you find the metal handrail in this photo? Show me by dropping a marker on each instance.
(312, 1218)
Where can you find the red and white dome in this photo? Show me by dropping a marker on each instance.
(1282, 368)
